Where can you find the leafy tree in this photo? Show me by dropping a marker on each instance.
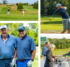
(20, 6)
(60, 43)
(68, 6)
(34, 31)
(4, 1)
(44, 5)
(35, 5)
(49, 6)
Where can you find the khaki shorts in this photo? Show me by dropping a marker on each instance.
(66, 24)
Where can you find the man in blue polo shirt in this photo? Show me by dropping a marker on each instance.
(7, 45)
(65, 17)
(26, 49)
(45, 49)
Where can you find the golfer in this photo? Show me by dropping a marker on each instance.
(65, 17)
(7, 45)
(26, 49)
(45, 49)
(49, 57)
(24, 12)
(8, 11)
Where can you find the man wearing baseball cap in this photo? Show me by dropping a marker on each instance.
(26, 49)
(65, 17)
(7, 45)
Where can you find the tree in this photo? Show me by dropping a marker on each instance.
(68, 6)
(49, 6)
(44, 5)
(4, 1)
(33, 32)
(20, 6)
(35, 5)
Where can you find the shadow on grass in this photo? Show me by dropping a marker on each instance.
(52, 22)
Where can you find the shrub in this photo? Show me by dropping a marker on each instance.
(20, 6)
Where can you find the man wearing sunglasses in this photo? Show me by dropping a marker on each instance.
(26, 49)
(7, 45)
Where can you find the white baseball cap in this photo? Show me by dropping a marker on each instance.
(58, 4)
(3, 26)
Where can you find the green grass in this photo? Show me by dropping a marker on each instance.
(35, 63)
(29, 8)
(53, 19)
(59, 51)
(17, 15)
(53, 26)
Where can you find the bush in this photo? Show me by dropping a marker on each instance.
(20, 6)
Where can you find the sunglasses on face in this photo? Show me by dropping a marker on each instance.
(3, 29)
(21, 30)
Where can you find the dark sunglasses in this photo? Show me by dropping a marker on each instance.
(3, 29)
(20, 30)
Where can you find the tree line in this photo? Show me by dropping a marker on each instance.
(20, 4)
(60, 43)
(49, 6)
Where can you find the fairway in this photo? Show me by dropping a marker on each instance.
(53, 26)
(31, 14)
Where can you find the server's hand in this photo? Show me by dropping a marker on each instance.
(53, 59)
(29, 63)
(13, 62)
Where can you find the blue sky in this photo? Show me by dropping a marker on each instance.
(17, 1)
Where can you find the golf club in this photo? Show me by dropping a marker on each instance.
(53, 14)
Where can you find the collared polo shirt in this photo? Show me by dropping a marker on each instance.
(25, 47)
(7, 47)
(63, 13)
(44, 50)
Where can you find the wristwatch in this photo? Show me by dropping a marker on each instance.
(32, 59)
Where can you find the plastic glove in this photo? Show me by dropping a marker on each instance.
(29, 63)
(13, 62)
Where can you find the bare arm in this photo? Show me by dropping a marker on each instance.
(15, 55)
(33, 54)
(64, 7)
